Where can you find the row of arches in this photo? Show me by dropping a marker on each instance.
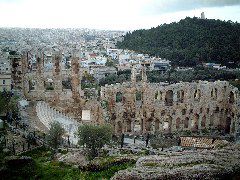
(180, 96)
(49, 84)
(152, 125)
(120, 98)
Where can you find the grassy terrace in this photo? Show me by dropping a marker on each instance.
(48, 169)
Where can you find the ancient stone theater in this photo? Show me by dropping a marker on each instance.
(149, 107)
(135, 107)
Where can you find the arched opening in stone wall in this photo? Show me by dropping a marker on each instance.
(186, 121)
(211, 121)
(152, 113)
(222, 118)
(224, 89)
(208, 110)
(149, 124)
(138, 96)
(197, 95)
(119, 97)
(113, 116)
(228, 125)
(226, 111)
(125, 115)
(183, 111)
(119, 127)
(194, 124)
(174, 112)
(158, 95)
(169, 98)
(111, 103)
(180, 96)
(216, 93)
(32, 85)
(157, 123)
(162, 113)
(178, 122)
(166, 127)
(231, 97)
(212, 93)
(203, 122)
(128, 125)
(67, 83)
(137, 125)
(49, 84)
(167, 124)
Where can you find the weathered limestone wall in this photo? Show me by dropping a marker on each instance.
(139, 106)
(69, 101)
(169, 108)
(39, 77)
(76, 82)
(57, 77)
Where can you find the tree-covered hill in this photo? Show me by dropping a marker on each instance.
(189, 42)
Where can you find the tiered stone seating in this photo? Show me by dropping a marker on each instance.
(198, 142)
(47, 115)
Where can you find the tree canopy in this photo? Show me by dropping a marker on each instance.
(55, 134)
(8, 102)
(189, 42)
(94, 137)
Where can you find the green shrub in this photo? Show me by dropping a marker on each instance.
(150, 164)
(49, 88)
(205, 131)
(94, 138)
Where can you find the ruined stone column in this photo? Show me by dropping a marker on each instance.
(39, 76)
(57, 76)
(76, 83)
(76, 87)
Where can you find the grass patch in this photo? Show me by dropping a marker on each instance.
(51, 170)
(150, 164)
(107, 174)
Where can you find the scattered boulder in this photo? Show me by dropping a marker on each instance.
(73, 158)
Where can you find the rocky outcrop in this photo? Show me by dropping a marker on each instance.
(204, 164)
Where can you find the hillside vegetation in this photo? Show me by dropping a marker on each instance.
(189, 42)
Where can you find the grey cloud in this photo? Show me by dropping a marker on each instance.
(164, 6)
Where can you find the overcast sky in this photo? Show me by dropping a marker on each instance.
(111, 14)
